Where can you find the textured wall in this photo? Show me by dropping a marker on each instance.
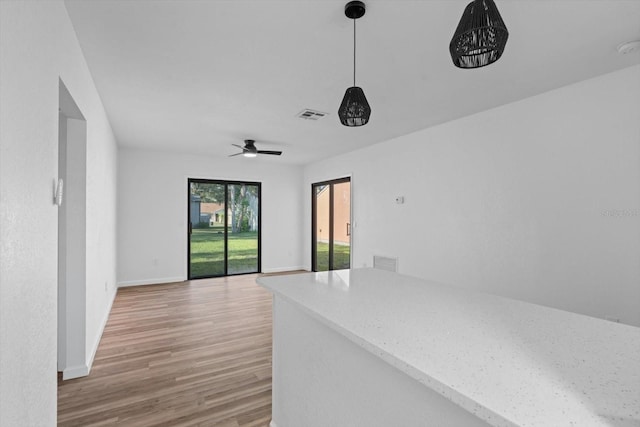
(38, 49)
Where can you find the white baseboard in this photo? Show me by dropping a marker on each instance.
(75, 372)
(84, 370)
(150, 281)
(105, 318)
(281, 269)
(182, 279)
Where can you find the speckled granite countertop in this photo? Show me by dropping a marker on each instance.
(509, 362)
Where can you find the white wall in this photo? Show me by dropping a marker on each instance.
(537, 200)
(152, 211)
(37, 48)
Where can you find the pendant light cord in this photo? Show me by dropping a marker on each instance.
(354, 52)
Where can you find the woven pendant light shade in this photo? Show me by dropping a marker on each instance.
(354, 109)
(480, 37)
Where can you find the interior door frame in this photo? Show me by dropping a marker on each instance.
(226, 183)
(314, 220)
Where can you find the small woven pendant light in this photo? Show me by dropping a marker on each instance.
(354, 109)
(480, 37)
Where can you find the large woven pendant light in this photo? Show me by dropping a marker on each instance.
(480, 37)
(354, 109)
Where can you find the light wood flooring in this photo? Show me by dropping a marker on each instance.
(195, 353)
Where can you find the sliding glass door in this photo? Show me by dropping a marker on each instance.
(331, 217)
(243, 229)
(224, 228)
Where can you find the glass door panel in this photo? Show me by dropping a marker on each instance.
(331, 220)
(206, 238)
(243, 228)
(321, 194)
(341, 225)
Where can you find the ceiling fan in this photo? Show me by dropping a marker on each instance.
(250, 150)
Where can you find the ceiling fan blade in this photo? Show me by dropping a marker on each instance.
(274, 153)
(237, 154)
(240, 147)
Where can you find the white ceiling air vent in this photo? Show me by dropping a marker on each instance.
(308, 114)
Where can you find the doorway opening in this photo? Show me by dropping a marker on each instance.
(331, 229)
(72, 237)
(224, 236)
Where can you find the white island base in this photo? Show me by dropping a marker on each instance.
(320, 379)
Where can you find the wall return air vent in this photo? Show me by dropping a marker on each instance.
(385, 263)
(308, 114)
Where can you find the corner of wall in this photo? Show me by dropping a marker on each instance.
(103, 324)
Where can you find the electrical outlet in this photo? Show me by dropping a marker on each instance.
(105, 286)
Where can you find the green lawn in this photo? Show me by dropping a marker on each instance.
(341, 256)
(207, 252)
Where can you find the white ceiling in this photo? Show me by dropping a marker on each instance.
(196, 76)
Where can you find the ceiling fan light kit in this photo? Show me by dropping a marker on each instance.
(354, 109)
(480, 37)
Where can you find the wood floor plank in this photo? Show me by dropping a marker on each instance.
(195, 353)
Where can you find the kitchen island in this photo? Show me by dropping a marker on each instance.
(367, 347)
